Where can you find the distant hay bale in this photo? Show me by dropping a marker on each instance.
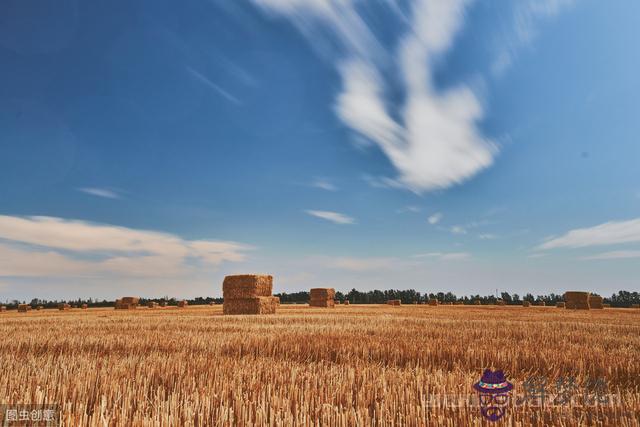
(127, 303)
(322, 297)
(337, 302)
(394, 302)
(526, 304)
(152, 304)
(183, 304)
(500, 302)
(84, 306)
(477, 302)
(63, 307)
(23, 308)
(433, 302)
(257, 305)
(346, 302)
(560, 304)
(577, 300)
(3, 308)
(247, 286)
(595, 302)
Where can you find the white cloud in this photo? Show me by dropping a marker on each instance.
(614, 255)
(46, 246)
(412, 209)
(445, 256)
(609, 233)
(527, 15)
(100, 192)
(487, 236)
(334, 217)
(435, 218)
(457, 229)
(432, 140)
(324, 184)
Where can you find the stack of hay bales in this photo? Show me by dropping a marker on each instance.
(595, 302)
(23, 308)
(84, 306)
(249, 294)
(394, 302)
(322, 297)
(63, 306)
(183, 303)
(526, 304)
(433, 302)
(127, 303)
(152, 304)
(560, 304)
(577, 300)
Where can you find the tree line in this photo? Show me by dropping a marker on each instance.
(408, 296)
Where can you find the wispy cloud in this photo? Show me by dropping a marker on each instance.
(47, 246)
(433, 139)
(412, 209)
(527, 15)
(334, 217)
(200, 77)
(614, 255)
(458, 229)
(487, 236)
(435, 218)
(100, 192)
(445, 256)
(324, 184)
(609, 233)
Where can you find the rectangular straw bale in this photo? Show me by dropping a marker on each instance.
(257, 305)
(322, 293)
(131, 300)
(577, 300)
(183, 304)
(526, 304)
(394, 302)
(247, 286)
(433, 301)
(346, 302)
(63, 307)
(23, 308)
(325, 303)
(3, 308)
(84, 306)
(595, 302)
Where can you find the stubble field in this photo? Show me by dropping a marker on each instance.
(352, 365)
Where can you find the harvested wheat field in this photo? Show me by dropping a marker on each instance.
(360, 365)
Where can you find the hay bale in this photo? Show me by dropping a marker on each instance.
(526, 304)
(322, 293)
(63, 307)
(247, 286)
(152, 304)
(257, 305)
(477, 302)
(394, 302)
(131, 300)
(23, 308)
(326, 303)
(500, 302)
(127, 303)
(560, 304)
(595, 302)
(433, 302)
(577, 300)
(84, 306)
(346, 302)
(183, 304)
(3, 308)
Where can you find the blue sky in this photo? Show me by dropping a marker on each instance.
(152, 147)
